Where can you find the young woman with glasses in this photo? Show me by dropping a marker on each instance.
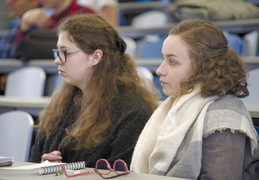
(102, 104)
(202, 130)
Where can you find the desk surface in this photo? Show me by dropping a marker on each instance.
(253, 110)
(49, 65)
(9, 65)
(94, 176)
(40, 103)
(32, 106)
(140, 7)
(232, 26)
(24, 102)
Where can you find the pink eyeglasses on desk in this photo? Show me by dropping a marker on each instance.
(103, 168)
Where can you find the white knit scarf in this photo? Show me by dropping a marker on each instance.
(171, 142)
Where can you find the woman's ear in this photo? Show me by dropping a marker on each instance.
(96, 57)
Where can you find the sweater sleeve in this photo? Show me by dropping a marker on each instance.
(36, 150)
(126, 134)
(223, 156)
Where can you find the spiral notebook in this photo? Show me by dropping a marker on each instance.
(6, 161)
(42, 168)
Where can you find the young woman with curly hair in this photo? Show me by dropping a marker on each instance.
(202, 130)
(102, 105)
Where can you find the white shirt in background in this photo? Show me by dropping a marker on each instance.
(97, 5)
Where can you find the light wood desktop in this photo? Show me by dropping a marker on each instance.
(35, 105)
(232, 26)
(253, 110)
(9, 65)
(238, 26)
(31, 105)
(93, 176)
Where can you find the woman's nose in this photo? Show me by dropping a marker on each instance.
(57, 61)
(161, 70)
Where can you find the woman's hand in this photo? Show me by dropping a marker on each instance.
(54, 156)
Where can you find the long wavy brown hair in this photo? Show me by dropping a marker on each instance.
(217, 68)
(116, 74)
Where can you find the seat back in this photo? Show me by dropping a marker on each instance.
(250, 44)
(147, 76)
(145, 73)
(257, 129)
(38, 45)
(159, 87)
(253, 87)
(16, 129)
(131, 46)
(235, 42)
(150, 47)
(154, 18)
(26, 82)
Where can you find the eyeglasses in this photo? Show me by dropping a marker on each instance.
(62, 54)
(103, 168)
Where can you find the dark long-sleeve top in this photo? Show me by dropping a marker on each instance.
(130, 115)
(233, 148)
(227, 154)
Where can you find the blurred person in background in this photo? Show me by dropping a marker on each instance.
(7, 44)
(46, 17)
(16, 10)
(108, 9)
(49, 16)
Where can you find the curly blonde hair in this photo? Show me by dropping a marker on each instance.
(216, 67)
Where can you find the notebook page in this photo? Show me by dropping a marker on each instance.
(27, 169)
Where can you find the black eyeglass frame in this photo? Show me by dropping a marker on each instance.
(56, 53)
